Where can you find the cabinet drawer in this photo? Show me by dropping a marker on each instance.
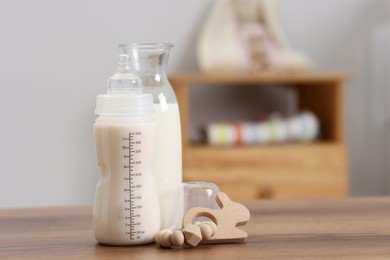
(304, 171)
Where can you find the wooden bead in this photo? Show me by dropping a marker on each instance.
(157, 236)
(177, 238)
(206, 231)
(213, 227)
(192, 234)
(165, 238)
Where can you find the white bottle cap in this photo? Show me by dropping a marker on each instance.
(124, 104)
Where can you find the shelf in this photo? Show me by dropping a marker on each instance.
(272, 146)
(266, 147)
(295, 170)
(265, 77)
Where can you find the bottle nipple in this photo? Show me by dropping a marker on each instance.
(124, 81)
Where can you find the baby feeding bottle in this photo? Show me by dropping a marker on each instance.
(126, 210)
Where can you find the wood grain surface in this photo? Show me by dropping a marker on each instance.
(279, 229)
(315, 170)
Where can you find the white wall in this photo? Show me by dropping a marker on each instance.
(55, 57)
(353, 35)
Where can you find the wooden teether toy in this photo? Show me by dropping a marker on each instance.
(231, 215)
(221, 229)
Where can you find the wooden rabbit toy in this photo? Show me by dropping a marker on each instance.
(231, 215)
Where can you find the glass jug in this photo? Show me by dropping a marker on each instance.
(149, 62)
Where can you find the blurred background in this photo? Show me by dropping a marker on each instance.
(56, 56)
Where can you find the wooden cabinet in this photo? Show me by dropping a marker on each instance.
(302, 170)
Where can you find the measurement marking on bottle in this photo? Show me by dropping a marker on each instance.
(130, 190)
(132, 162)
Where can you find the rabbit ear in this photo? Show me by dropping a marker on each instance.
(223, 199)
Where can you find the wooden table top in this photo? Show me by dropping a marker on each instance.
(357, 228)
